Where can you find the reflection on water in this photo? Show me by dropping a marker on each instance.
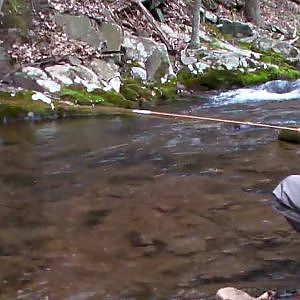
(145, 208)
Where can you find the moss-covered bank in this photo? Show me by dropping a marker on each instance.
(20, 107)
(74, 101)
(216, 79)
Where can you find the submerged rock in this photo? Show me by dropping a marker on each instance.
(231, 293)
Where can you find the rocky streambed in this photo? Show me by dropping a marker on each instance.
(107, 208)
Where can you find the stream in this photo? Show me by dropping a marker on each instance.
(147, 208)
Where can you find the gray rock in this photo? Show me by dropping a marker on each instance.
(107, 36)
(104, 70)
(5, 62)
(112, 34)
(235, 28)
(201, 67)
(209, 16)
(22, 81)
(187, 59)
(265, 43)
(75, 61)
(40, 78)
(139, 49)
(230, 61)
(284, 48)
(138, 73)
(108, 74)
(68, 75)
(158, 66)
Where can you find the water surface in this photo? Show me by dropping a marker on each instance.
(146, 208)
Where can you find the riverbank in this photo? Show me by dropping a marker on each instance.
(64, 59)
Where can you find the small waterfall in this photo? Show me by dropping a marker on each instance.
(277, 90)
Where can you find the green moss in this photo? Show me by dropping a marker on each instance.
(80, 96)
(135, 89)
(273, 58)
(216, 79)
(214, 45)
(115, 98)
(245, 46)
(98, 97)
(166, 91)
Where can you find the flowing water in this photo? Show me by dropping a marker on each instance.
(147, 208)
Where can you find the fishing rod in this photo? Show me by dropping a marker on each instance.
(191, 117)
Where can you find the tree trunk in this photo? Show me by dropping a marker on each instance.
(252, 11)
(195, 40)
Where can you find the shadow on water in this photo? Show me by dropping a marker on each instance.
(146, 208)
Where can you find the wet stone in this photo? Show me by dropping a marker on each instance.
(137, 240)
(186, 246)
(95, 217)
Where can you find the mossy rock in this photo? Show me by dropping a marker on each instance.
(19, 105)
(289, 136)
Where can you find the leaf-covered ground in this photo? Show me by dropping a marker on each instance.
(47, 41)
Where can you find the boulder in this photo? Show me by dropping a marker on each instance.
(265, 43)
(108, 73)
(68, 75)
(139, 48)
(39, 77)
(187, 59)
(286, 49)
(209, 16)
(153, 55)
(158, 66)
(107, 36)
(235, 28)
(282, 47)
(229, 60)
